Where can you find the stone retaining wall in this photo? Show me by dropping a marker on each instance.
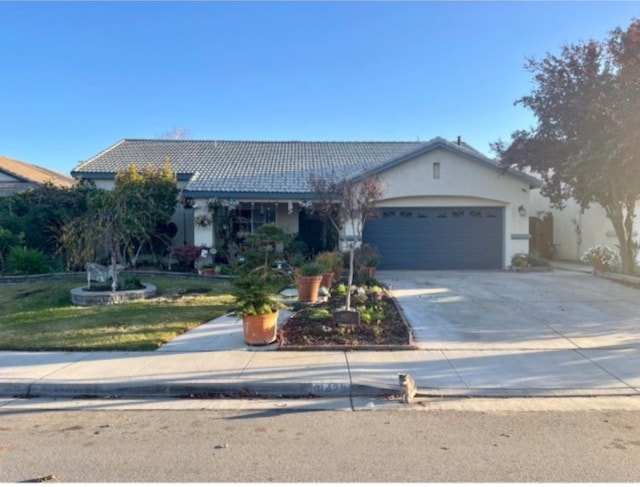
(81, 297)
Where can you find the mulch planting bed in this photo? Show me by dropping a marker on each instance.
(313, 327)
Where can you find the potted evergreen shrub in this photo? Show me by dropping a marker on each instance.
(257, 306)
(327, 260)
(309, 282)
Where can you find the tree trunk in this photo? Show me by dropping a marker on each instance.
(622, 219)
(350, 277)
(114, 269)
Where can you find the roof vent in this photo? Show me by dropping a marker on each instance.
(459, 140)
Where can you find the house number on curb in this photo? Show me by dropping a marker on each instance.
(330, 388)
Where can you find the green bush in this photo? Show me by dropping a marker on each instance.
(317, 313)
(311, 269)
(528, 260)
(130, 283)
(27, 261)
(340, 290)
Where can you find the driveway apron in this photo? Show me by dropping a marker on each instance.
(539, 331)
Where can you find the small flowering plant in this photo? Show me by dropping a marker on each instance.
(601, 256)
(203, 220)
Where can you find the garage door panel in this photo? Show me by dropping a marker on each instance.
(438, 238)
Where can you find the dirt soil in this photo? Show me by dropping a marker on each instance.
(302, 331)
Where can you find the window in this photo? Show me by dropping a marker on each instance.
(436, 170)
(251, 216)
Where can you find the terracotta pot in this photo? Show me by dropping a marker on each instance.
(599, 266)
(368, 271)
(327, 279)
(208, 271)
(260, 329)
(337, 274)
(308, 287)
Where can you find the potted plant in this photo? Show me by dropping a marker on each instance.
(309, 282)
(326, 260)
(296, 261)
(368, 259)
(256, 305)
(210, 269)
(203, 220)
(602, 258)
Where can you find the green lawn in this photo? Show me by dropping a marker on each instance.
(40, 316)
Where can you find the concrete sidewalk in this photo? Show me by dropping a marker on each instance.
(213, 358)
(170, 372)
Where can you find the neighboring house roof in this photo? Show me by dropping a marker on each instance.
(27, 176)
(266, 168)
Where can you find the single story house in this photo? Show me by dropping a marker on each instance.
(445, 205)
(19, 176)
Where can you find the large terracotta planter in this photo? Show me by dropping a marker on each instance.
(308, 287)
(327, 279)
(260, 329)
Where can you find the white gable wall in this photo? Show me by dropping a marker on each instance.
(575, 231)
(462, 182)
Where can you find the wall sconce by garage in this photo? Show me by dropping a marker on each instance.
(522, 211)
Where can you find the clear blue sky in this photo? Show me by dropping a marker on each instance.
(76, 77)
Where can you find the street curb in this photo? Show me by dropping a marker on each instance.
(177, 389)
(250, 390)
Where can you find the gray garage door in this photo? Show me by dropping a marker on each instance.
(438, 238)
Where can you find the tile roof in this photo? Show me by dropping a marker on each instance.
(257, 166)
(30, 173)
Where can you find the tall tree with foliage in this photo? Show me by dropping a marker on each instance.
(120, 220)
(39, 213)
(154, 192)
(585, 145)
(348, 205)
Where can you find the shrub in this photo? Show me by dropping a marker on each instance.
(329, 260)
(528, 260)
(601, 254)
(317, 313)
(311, 269)
(130, 283)
(7, 241)
(27, 261)
(296, 246)
(340, 290)
(367, 256)
(186, 255)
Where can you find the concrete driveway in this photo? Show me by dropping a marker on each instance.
(493, 310)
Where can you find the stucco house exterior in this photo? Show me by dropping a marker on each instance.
(573, 231)
(444, 206)
(19, 176)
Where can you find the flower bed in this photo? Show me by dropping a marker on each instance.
(381, 325)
